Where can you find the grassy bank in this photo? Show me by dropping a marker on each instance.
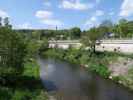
(98, 62)
(24, 87)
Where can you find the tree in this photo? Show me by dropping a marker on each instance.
(75, 33)
(12, 52)
(104, 30)
(32, 48)
(116, 30)
(7, 23)
(90, 38)
(44, 45)
(130, 29)
(106, 23)
(36, 35)
(123, 27)
(106, 27)
(123, 21)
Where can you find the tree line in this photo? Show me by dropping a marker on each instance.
(122, 29)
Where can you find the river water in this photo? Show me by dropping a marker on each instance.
(65, 81)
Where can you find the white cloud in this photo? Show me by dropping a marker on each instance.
(3, 14)
(126, 8)
(75, 5)
(47, 18)
(99, 13)
(26, 25)
(44, 14)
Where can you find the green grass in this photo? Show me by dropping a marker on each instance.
(27, 86)
(31, 69)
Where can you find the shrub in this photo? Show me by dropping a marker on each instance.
(102, 70)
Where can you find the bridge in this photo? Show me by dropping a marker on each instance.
(65, 44)
(117, 45)
(116, 41)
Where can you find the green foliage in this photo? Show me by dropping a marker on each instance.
(102, 70)
(33, 47)
(44, 45)
(25, 87)
(56, 53)
(90, 38)
(31, 69)
(35, 35)
(65, 34)
(12, 52)
(41, 96)
(19, 77)
(116, 78)
(21, 95)
(124, 29)
(5, 93)
(75, 33)
(36, 44)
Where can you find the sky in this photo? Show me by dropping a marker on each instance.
(65, 14)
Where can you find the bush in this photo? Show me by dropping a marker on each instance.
(12, 52)
(27, 86)
(102, 70)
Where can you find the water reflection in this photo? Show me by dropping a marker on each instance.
(66, 83)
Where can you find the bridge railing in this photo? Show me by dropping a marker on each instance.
(64, 41)
(127, 41)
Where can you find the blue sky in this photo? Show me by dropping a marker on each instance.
(42, 14)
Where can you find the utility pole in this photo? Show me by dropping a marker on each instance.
(56, 28)
(0, 21)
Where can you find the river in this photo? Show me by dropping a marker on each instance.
(65, 81)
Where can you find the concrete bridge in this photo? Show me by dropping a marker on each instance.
(65, 44)
(117, 45)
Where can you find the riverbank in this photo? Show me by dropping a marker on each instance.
(28, 86)
(105, 64)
